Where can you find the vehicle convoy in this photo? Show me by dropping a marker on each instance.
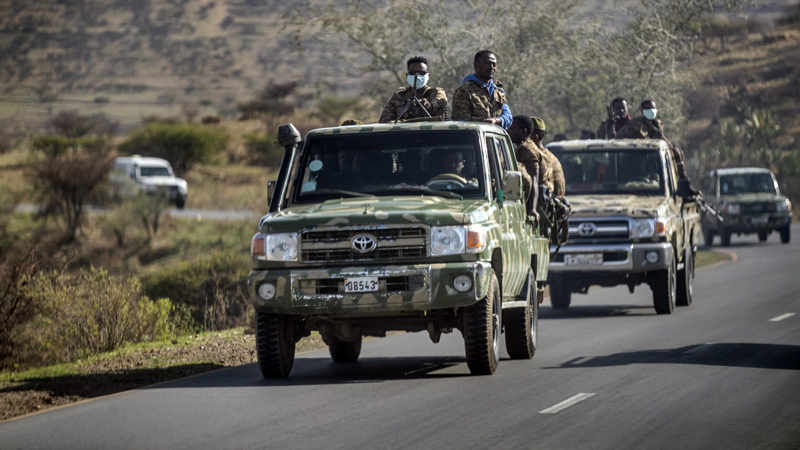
(411, 227)
(749, 201)
(137, 174)
(628, 226)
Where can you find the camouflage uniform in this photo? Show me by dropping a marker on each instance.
(553, 174)
(529, 160)
(602, 131)
(471, 102)
(641, 128)
(436, 96)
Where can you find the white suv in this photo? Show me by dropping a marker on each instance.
(131, 175)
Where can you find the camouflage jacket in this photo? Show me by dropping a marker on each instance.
(471, 102)
(641, 128)
(602, 131)
(530, 157)
(436, 96)
(554, 174)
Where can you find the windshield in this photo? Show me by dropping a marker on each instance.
(746, 183)
(636, 172)
(154, 171)
(441, 163)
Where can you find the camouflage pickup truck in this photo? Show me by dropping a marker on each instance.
(749, 200)
(628, 226)
(411, 227)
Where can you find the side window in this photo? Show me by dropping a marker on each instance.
(494, 169)
(672, 185)
(502, 150)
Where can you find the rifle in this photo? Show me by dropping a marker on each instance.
(706, 208)
(611, 130)
(412, 101)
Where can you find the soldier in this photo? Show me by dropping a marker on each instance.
(618, 117)
(479, 98)
(648, 127)
(554, 174)
(433, 99)
(530, 160)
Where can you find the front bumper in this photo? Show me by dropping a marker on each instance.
(403, 289)
(751, 223)
(629, 258)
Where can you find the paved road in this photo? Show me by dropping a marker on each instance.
(722, 373)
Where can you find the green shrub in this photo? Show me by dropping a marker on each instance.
(213, 287)
(94, 312)
(182, 144)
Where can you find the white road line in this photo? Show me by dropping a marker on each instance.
(566, 403)
(781, 317)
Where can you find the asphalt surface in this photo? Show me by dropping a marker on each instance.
(721, 373)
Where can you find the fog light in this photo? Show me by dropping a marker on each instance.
(266, 291)
(462, 283)
(652, 257)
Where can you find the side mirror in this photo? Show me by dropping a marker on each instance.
(512, 185)
(270, 190)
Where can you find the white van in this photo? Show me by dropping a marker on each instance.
(134, 174)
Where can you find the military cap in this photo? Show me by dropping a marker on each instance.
(538, 124)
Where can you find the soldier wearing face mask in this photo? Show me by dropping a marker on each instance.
(649, 127)
(433, 99)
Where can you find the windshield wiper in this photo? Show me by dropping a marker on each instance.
(336, 192)
(421, 189)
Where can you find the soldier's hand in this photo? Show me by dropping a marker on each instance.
(425, 103)
(492, 120)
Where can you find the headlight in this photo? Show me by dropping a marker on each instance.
(646, 228)
(275, 247)
(447, 240)
(784, 206)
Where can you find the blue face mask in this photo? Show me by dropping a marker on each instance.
(650, 114)
(422, 80)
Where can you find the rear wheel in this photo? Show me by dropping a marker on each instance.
(344, 351)
(663, 283)
(708, 237)
(762, 236)
(685, 279)
(522, 326)
(560, 295)
(482, 332)
(786, 234)
(725, 237)
(275, 345)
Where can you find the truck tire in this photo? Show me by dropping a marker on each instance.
(786, 234)
(762, 236)
(522, 326)
(344, 351)
(274, 345)
(725, 238)
(685, 280)
(560, 295)
(708, 237)
(482, 331)
(663, 283)
(180, 202)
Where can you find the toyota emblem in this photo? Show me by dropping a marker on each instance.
(363, 243)
(587, 229)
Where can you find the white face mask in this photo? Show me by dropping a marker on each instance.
(422, 80)
(650, 114)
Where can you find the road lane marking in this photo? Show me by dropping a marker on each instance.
(781, 317)
(699, 348)
(566, 403)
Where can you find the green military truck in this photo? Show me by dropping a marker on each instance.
(628, 225)
(749, 201)
(410, 227)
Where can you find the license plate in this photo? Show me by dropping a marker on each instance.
(759, 220)
(361, 284)
(589, 259)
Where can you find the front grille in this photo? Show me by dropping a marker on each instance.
(335, 286)
(757, 208)
(605, 231)
(335, 244)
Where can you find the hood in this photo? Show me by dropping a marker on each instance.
(163, 181)
(376, 211)
(761, 197)
(617, 205)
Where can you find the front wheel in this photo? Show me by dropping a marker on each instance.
(786, 234)
(180, 202)
(560, 295)
(685, 279)
(275, 345)
(344, 351)
(482, 331)
(522, 326)
(725, 237)
(708, 237)
(663, 283)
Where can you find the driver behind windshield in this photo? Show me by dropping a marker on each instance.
(634, 169)
(452, 165)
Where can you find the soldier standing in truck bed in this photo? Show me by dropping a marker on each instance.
(618, 117)
(529, 158)
(433, 99)
(479, 98)
(553, 177)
